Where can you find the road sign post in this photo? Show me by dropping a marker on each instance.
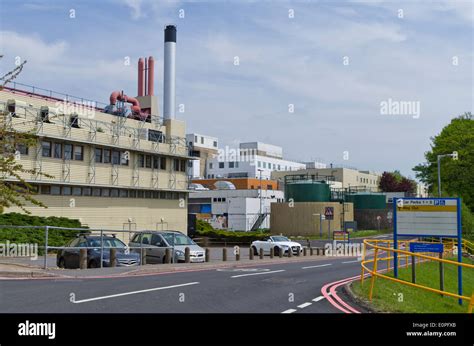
(329, 215)
(428, 217)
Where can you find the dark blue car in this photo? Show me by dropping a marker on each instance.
(69, 258)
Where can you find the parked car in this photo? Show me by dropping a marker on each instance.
(278, 243)
(69, 258)
(158, 241)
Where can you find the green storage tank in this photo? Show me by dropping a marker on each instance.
(307, 191)
(367, 200)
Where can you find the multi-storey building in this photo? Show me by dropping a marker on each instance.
(201, 148)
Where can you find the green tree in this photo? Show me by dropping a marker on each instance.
(457, 176)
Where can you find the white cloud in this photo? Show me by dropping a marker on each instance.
(136, 7)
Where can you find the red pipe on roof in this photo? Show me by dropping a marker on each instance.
(151, 74)
(117, 95)
(141, 71)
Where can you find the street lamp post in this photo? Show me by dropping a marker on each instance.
(260, 194)
(454, 155)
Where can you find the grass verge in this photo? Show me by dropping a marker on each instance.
(389, 296)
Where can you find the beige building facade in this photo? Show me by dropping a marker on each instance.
(108, 171)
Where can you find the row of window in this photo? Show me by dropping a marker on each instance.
(57, 190)
(62, 151)
(214, 144)
(366, 180)
(260, 164)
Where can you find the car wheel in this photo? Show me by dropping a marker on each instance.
(255, 252)
(62, 263)
(93, 264)
(276, 251)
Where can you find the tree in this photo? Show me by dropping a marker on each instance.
(395, 182)
(14, 189)
(457, 176)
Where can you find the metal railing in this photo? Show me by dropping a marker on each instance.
(404, 254)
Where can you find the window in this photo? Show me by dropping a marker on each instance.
(176, 164)
(107, 156)
(46, 149)
(123, 193)
(202, 140)
(155, 136)
(221, 164)
(132, 194)
(156, 162)
(279, 167)
(105, 192)
(115, 157)
(96, 192)
(74, 121)
(259, 164)
(141, 160)
(215, 144)
(210, 165)
(269, 187)
(148, 194)
(66, 190)
(182, 167)
(162, 195)
(223, 199)
(114, 193)
(77, 191)
(163, 163)
(124, 158)
(67, 151)
(22, 149)
(264, 165)
(231, 165)
(148, 161)
(98, 154)
(78, 152)
(236, 164)
(196, 138)
(55, 190)
(156, 194)
(140, 194)
(86, 191)
(46, 190)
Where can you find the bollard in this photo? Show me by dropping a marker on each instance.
(83, 258)
(323, 251)
(261, 253)
(304, 252)
(280, 252)
(187, 255)
(311, 251)
(272, 252)
(224, 254)
(208, 255)
(168, 255)
(113, 257)
(237, 256)
(251, 253)
(290, 252)
(143, 256)
(298, 252)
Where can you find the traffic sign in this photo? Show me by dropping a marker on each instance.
(329, 213)
(427, 247)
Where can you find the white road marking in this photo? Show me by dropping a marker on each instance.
(321, 265)
(351, 261)
(289, 311)
(133, 292)
(318, 299)
(302, 306)
(274, 271)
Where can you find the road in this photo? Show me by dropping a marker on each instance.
(293, 287)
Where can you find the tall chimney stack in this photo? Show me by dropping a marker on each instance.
(169, 73)
(141, 70)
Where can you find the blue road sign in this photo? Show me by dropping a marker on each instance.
(426, 247)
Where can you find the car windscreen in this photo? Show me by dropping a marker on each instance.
(108, 242)
(178, 239)
(280, 239)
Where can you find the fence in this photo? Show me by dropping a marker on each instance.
(403, 254)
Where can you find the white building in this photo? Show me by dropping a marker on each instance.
(236, 210)
(251, 160)
(201, 147)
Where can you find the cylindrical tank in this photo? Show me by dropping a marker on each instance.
(367, 200)
(141, 68)
(169, 73)
(307, 191)
(151, 76)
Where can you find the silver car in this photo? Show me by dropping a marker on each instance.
(158, 241)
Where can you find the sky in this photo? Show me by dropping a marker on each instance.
(363, 84)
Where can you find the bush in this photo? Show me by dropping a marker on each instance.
(467, 222)
(31, 235)
(204, 229)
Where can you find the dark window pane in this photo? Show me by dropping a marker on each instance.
(148, 161)
(114, 193)
(98, 154)
(124, 157)
(147, 194)
(132, 193)
(123, 193)
(162, 194)
(55, 190)
(96, 192)
(156, 162)
(77, 191)
(141, 160)
(46, 190)
(66, 190)
(163, 163)
(107, 156)
(78, 152)
(115, 157)
(22, 149)
(86, 191)
(105, 192)
(46, 149)
(140, 194)
(58, 150)
(67, 151)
